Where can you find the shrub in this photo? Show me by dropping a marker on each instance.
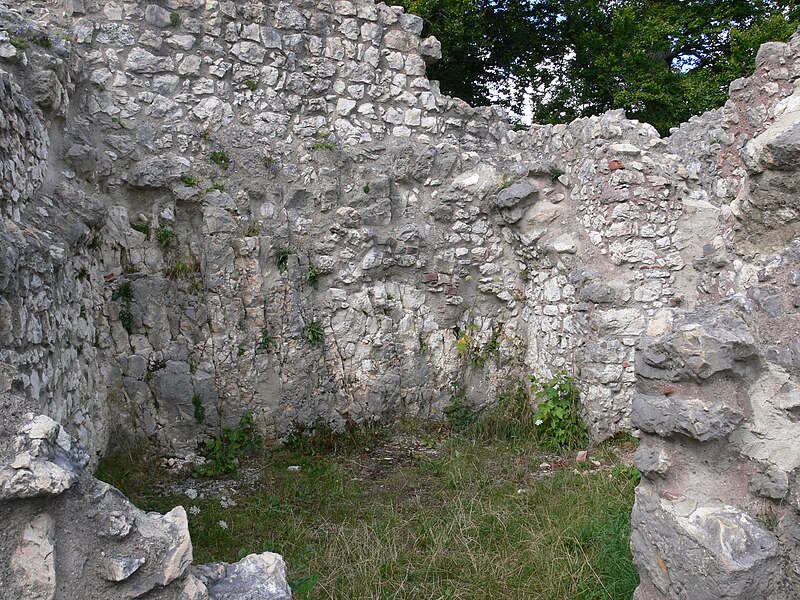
(126, 320)
(123, 293)
(178, 269)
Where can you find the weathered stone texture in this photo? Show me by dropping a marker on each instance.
(189, 188)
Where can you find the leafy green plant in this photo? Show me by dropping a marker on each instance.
(175, 19)
(321, 439)
(189, 180)
(468, 347)
(555, 173)
(458, 413)
(126, 320)
(265, 342)
(199, 409)
(18, 43)
(558, 421)
(178, 269)
(142, 227)
(95, 243)
(366, 189)
(253, 229)
(314, 333)
(627, 472)
(325, 141)
(282, 254)
(123, 292)
(221, 159)
(216, 186)
(251, 85)
(313, 274)
(165, 236)
(223, 453)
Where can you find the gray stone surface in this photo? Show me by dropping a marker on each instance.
(154, 169)
(255, 577)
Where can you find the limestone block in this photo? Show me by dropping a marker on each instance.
(157, 16)
(47, 462)
(33, 560)
(158, 171)
(119, 568)
(261, 576)
(703, 552)
(142, 61)
(696, 418)
(700, 344)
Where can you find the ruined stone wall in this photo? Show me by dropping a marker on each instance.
(446, 250)
(267, 207)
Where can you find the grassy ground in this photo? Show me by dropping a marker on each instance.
(420, 514)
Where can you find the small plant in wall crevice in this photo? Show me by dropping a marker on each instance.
(314, 333)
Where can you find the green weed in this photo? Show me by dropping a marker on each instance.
(221, 159)
(165, 236)
(314, 333)
(224, 453)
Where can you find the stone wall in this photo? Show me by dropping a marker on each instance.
(267, 207)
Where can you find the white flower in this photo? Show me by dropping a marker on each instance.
(195, 510)
(538, 422)
(192, 493)
(223, 524)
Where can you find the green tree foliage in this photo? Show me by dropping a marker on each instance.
(661, 60)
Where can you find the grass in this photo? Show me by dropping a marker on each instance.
(430, 514)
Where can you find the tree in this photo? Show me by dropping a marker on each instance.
(661, 60)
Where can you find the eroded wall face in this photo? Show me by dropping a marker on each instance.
(212, 207)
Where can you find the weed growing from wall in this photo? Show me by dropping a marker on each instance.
(282, 254)
(189, 180)
(265, 342)
(142, 227)
(165, 236)
(199, 409)
(223, 453)
(314, 333)
(124, 295)
(458, 412)
(221, 159)
(555, 172)
(313, 274)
